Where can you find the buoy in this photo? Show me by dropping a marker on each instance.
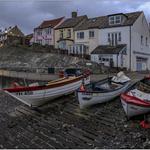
(145, 124)
(82, 88)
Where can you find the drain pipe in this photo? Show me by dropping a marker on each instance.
(130, 50)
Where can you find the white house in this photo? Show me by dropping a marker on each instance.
(113, 56)
(44, 34)
(100, 34)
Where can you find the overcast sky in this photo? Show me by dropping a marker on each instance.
(28, 14)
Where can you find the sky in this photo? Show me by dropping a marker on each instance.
(28, 14)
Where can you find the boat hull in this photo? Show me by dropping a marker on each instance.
(87, 99)
(36, 98)
(132, 110)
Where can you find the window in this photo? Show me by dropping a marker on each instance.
(146, 41)
(91, 34)
(48, 30)
(39, 41)
(107, 59)
(108, 37)
(103, 59)
(61, 34)
(114, 38)
(80, 35)
(47, 42)
(69, 33)
(118, 19)
(39, 32)
(141, 39)
(119, 38)
(94, 19)
(115, 19)
(111, 20)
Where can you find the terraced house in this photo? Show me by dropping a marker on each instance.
(120, 40)
(44, 33)
(64, 33)
(10, 35)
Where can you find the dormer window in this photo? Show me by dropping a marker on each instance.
(113, 20)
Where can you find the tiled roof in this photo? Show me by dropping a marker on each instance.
(103, 21)
(107, 49)
(50, 23)
(71, 22)
(13, 31)
(29, 36)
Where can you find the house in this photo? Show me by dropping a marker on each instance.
(130, 32)
(64, 33)
(10, 35)
(29, 39)
(111, 56)
(44, 33)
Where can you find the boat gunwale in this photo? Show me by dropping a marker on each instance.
(109, 91)
(44, 87)
(133, 100)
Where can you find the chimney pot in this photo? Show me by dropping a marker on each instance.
(74, 14)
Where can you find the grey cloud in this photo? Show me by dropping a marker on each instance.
(29, 14)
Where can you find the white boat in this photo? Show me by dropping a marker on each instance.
(102, 91)
(35, 96)
(136, 101)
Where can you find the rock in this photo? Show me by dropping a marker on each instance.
(146, 144)
(125, 125)
(137, 135)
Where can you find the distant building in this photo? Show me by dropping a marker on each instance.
(64, 33)
(11, 34)
(44, 34)
(29, 39)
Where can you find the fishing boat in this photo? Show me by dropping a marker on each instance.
(103, 90)
(35, 96)
(136, 100)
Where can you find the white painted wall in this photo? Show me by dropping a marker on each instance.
(44, 37)
(95, 58)
(92, 43)
(139, 28)
(125, 39)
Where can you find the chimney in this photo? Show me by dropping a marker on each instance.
(74, 14)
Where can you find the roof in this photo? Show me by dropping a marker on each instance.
(107, 49)
(71, 22)
(15, 31)
(29, 36)
(103, 21)
(50, 23)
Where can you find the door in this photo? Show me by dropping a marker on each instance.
(141, 64)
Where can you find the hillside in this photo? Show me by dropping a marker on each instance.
(22, 57)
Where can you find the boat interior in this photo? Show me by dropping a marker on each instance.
(62, 80)
(105, 85)
(144, 87)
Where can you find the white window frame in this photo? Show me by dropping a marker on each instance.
(79, 35)
(113, 20)
(48, 30)
(146, 42)
(142, 39)
(112, 41)
(69, 33)
(91, 34)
